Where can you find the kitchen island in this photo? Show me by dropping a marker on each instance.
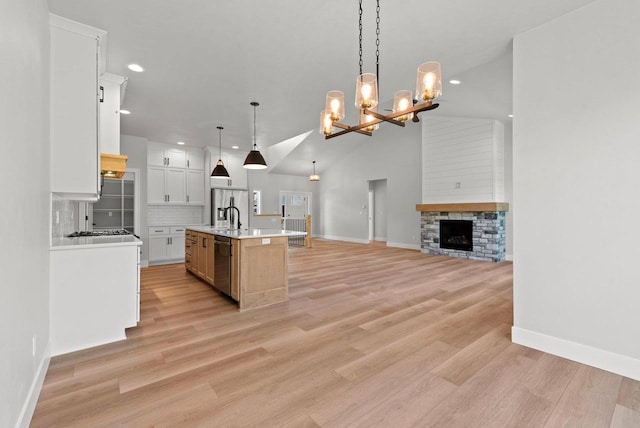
(248, 265)
(94, 289)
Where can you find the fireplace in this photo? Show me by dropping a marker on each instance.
(456, 234)
(483, 235)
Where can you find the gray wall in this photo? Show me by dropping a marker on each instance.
(576, 175)
(25, 226)
(392, 153)
(379, 188)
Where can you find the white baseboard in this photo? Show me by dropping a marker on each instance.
(405, 246)
(29, 406)
(342, 238)
(595, 357)
(508, 257)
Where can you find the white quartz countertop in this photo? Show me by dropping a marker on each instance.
(246, 233)
(93, 242)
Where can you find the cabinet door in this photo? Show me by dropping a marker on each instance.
(176, 247)
(155, 155)
(176, 188)
(195, 187)
(177, 158)
(75, 156)
(202, 254)
(156, 185)
(195, 159)
(237, 172)
(209, 260)
(158, 248)
(110, 118)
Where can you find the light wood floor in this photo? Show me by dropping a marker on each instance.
(372, 337)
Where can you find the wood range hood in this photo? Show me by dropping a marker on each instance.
(112, 166)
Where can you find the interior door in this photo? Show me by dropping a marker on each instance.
(295, 204)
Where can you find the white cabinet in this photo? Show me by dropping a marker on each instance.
(94, 295)
(112, 87)
(161, 155)
(195, 159)
(166, 185)
(166, 244)
(74, 92)
(195, 187)
(233, 161)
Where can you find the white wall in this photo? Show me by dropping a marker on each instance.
(379, 188)
(270, 186)
(576, 151)
(136, 150)
(25, 226)
(468, 152)
(392, 153)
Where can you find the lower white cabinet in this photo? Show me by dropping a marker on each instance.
(94, 295)
(166, 244)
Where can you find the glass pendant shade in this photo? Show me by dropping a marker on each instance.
(367, 91)
(220, 171)
(326, 124)
(335, 105)
(314, 176)
(429, 81)
(366, 118)
(402, 100)
(254, 159)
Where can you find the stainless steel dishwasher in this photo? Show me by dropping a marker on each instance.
(222, 264)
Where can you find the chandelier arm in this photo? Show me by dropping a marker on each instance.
(346, 131)
(359, 131)
(382, 117)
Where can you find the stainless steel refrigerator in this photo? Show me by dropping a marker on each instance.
(222, 199)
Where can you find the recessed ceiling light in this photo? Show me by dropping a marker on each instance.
(136, 68)
(125, 111)
(454, 82)
(181, 143)
(235, 147)
(510, 115)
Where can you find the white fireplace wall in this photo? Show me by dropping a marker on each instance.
(462, 160)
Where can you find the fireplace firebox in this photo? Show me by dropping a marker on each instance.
(456, 234)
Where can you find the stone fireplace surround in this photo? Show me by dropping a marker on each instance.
(489, 233)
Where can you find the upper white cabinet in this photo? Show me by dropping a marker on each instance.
(233, 161)
(74, 70)
(174, 176)
(159, 155)
(112, 90)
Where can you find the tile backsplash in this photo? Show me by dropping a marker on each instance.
(67, 217)
(160, 215)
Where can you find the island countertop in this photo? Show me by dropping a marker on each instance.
(245, 233)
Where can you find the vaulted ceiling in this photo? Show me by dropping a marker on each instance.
(206, 60)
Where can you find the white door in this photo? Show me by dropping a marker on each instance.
(155, 156)
(159, 248)
(176, 247)
(371, 215)
(177, 158)
(295, 204)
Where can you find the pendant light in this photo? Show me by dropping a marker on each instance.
(220, 171)
(254, 159)
(314, 176)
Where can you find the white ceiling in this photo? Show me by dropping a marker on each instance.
(206, 60)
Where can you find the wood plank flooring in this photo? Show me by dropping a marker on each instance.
(371, 337)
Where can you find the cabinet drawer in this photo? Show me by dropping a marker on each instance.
(177, 230)
(160, 230)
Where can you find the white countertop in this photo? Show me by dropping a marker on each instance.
(93, 242)
(246, 233)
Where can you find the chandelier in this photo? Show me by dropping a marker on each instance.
(405, 107)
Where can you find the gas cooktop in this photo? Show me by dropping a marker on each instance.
(112, 232)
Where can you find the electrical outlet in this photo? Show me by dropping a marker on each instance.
(110, 214)
(457, 184)
(57, 217)
(33, 345)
